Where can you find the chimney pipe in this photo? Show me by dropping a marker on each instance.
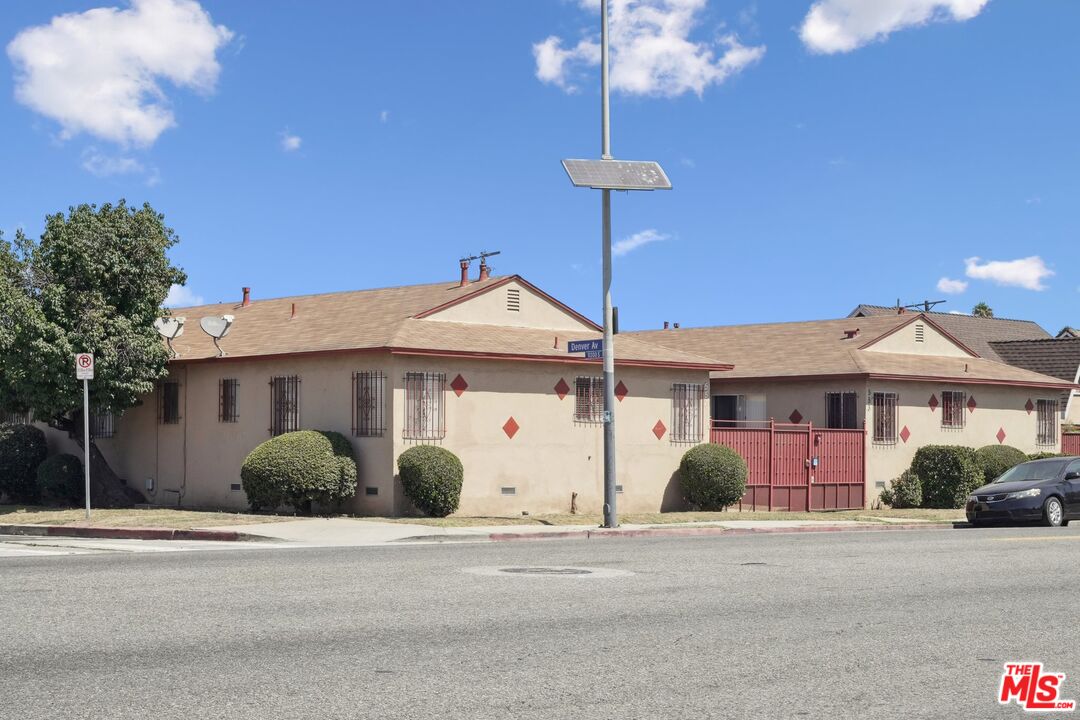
(247, 297)
(293, 315)
(485, 271)
(666, 324)
(464, 273)
(676, 326)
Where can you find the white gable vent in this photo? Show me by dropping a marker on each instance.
(513, 300)
(920, 332)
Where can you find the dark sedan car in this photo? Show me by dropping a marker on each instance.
(1046, 490)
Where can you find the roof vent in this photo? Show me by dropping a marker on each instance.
(853, 333)
(920, 333)
(513, 300)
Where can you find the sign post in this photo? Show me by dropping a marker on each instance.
(84, 370)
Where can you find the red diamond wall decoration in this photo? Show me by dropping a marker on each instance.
(933, 403)
(562, 389)
(621, 391)
(1029, 406)
(659, 429)
(795, 417)
(905, 434)
(511, 427)
(459, 385)
(972, 404)
(1001, 436)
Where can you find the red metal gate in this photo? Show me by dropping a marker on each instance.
(1070, 443)
(797, 467)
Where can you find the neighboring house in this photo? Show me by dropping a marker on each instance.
(480, 368)
(906, 378)
(1058, 357)
(1069, 332)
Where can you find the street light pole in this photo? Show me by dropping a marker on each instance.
(610, 515)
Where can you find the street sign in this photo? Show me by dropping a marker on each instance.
(577, 346)
(84, 366)
(593, 354)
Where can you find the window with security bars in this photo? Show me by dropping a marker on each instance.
(589, 400)
(1047, 418)
(952, 410)
(284, 404)
(228, 400)
(169, 402)
(102, 425)
(841, 411)
(885, 417)
(369, 403)
(10, 417)
(425, 411)
(687, 422)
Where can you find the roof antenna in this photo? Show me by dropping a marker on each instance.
(170, 328)
(217, 328)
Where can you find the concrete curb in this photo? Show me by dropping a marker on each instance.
(110, 533)
(714, 531)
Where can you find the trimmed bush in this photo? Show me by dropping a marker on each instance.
(996, 459)
(713, 477)
(22, 449)
(298, 469)
(948, 472)
(431, 477)
(904, 492)
(60, 481)
(1044, 455)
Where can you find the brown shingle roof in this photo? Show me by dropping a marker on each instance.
(1058, 357)
(384, 318)
(975, 332)
(820, 348)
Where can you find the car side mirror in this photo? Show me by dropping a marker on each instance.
(1072, 475)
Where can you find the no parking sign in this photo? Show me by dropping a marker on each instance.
(84, 366)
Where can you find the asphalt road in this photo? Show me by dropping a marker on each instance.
(844, 625)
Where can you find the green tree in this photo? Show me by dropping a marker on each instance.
(94, 282)
(982, 310)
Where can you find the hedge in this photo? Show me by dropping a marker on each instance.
(60, 481)
(431, 478)
(904, 492)
(948, 472)
(713, 477)
(22, 449)
(996, 459)
(298, 469)
(1044, 455)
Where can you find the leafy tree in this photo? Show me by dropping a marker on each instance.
(982, 310)
(94, 282)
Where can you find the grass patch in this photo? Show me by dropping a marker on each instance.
(153, 517)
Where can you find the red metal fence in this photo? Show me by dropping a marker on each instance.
(1070, 443)
(797, 467)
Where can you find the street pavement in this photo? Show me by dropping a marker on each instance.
(913, 624)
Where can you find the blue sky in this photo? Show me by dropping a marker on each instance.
(823, 153)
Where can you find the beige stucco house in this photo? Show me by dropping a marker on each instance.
(903, 377)
(480, 368)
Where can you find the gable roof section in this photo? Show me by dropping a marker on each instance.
(503, 281)
(974, 332)
(389, 319)
(926, 320)
(1069, 332)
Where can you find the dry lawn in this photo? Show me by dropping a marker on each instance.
(154, 517)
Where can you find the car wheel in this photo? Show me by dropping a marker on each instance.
(1053, 512)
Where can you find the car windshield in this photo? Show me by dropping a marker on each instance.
(1039, 470)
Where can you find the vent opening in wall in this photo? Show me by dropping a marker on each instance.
(513, 300)
(371, 490)
(508, 490)
(920, 333)
(236, 487)
(618, 488)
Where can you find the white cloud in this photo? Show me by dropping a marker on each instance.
(651, 50)
(101, 164)
(384, 116)
(835, 26)
(629, 244)
(99, 71)
(1026, 272)
(290, 142)
(952, 287)
(180, 296)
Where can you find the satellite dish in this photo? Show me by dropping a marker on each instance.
(217, 328)
(170, 328)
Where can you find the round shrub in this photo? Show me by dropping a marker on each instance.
(996, 459)
(904, 492)
(60, 480)
(431, 478)
(298, 469)
(713, 477)
(948, 472)
(22, 449)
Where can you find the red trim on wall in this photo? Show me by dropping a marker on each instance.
(878, 376)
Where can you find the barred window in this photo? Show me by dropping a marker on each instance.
(10, 417)
(1048, 422)
(885, 418)
(102, 425)
(169, 402)
(952, 409)
(284, 404)
(369, 402)
(687, 422)
(228, 400)
(840, 410)
(589, 400)
(425, 412)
